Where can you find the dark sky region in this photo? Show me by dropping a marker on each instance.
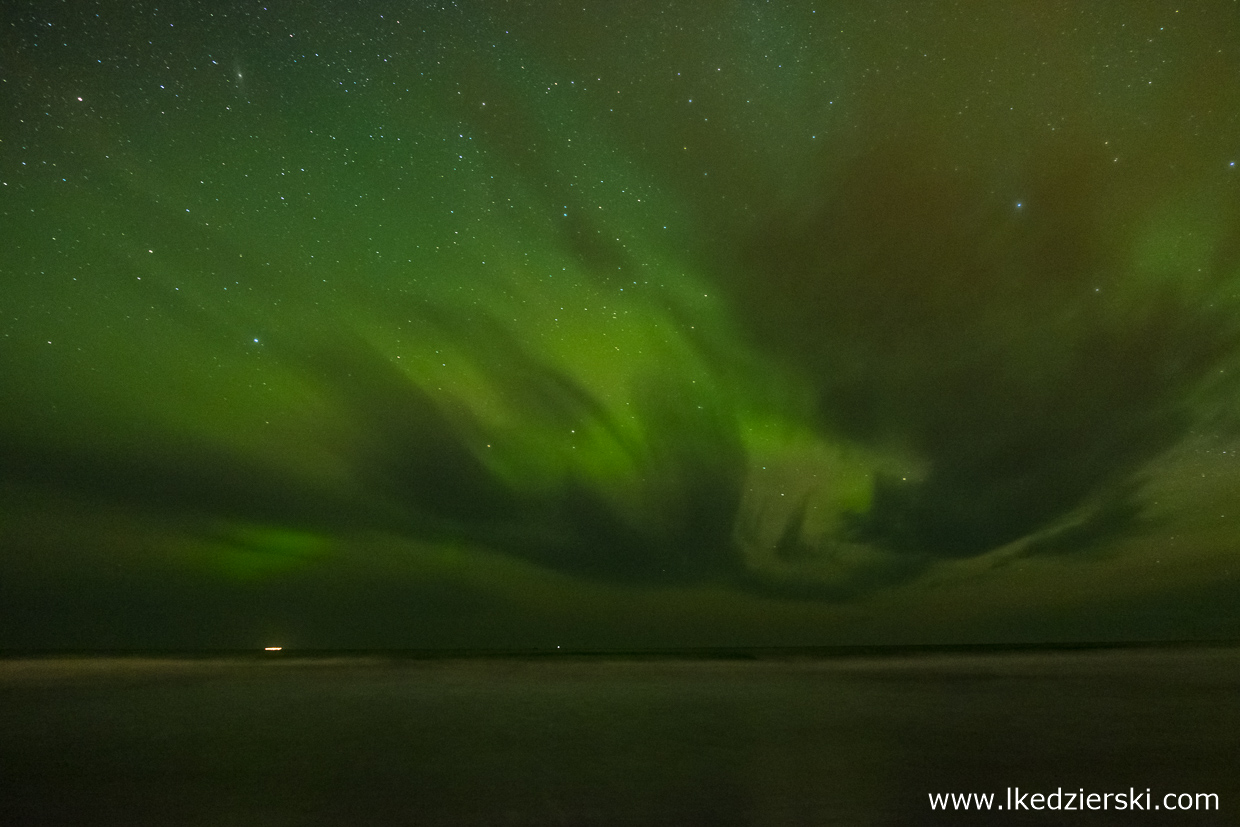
(640, 324)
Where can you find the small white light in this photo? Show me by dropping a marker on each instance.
(272, 648)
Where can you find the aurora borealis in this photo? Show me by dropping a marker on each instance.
(618, 325)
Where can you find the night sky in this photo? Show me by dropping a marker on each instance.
(618, 325)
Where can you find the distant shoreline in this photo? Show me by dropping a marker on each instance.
(740, 653)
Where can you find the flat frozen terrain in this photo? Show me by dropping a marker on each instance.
(545, 741)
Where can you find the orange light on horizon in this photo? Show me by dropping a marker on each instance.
(272, 648)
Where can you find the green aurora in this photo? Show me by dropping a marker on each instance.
(626, 325)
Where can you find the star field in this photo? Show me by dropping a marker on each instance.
(663, 322)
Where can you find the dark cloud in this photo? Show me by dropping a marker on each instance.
(167, 473)
(1003, 337)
